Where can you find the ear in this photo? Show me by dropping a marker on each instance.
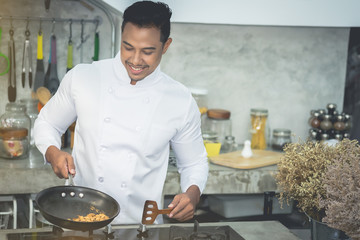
(166, 45)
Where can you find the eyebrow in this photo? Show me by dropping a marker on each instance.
(146, 48)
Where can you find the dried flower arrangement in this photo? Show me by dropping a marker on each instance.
(342, 190)
(301, 173)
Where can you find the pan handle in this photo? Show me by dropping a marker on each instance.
(71, 182)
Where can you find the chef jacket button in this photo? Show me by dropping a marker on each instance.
(110, 90)
(123, 185)
(103, 149)
(138, 128)
(100, 179)
(107, 120)
(146, 100)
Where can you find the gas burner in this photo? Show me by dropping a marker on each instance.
(203, 233)
(207, 236)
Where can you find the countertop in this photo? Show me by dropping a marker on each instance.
(248, 230)
(31, 175)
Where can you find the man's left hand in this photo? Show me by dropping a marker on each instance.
(184, 204)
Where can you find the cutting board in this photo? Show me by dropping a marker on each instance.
(260, 158)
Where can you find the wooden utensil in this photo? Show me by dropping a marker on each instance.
(151, 211)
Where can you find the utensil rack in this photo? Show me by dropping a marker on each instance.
(44, 19)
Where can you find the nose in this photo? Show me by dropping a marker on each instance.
(136, 58)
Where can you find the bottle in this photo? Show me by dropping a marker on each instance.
(258, 128)
(229, 145)
(331, 108)
(326, 123)
(217, 123)
(339, 123)
(32, 111)
(14, 132)
(281, 137)
(201, 97)
(314, 120)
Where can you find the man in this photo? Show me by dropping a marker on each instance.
(127, 113)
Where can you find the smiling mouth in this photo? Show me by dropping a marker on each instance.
(136, 69)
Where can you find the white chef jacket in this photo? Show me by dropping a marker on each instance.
(123, 132)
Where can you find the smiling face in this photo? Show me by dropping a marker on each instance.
(141, 50)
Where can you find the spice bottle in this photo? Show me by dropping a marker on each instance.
(331, 108)
(14, 132)
(314, 120)
(339, 123)
(280, 138)
(326, 123)
(258, 128)
(217, 124)
(229, 145)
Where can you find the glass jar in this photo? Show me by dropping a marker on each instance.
(14, 132)
(32, 111)
(258, 129)
(217, 124)
(280, 138)
(201, 97)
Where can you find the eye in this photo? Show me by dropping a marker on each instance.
(148, 53)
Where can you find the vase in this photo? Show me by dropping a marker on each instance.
(321, 231)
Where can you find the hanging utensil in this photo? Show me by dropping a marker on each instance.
(27, 58)
(151, 211)
(39, 74)
(4, 60)
(53, 78)
(12, 74)
(96, 43)
(69, 64)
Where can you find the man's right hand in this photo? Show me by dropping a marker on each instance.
(62, 162)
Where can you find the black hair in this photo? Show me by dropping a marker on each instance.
(149, 14)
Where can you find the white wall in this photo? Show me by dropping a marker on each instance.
(335, 13)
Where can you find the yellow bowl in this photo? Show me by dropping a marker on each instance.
(212, 148)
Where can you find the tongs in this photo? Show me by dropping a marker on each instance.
(27, 58)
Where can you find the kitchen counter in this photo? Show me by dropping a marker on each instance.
(31, 175)
(248, 230)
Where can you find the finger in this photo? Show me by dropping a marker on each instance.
(174, 202)
(71, 165)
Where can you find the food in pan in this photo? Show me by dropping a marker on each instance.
(91, 217)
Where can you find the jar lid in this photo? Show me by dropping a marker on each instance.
(218, 114)
(15, 107)
(13, 132)
(258, 112)
(283, 132)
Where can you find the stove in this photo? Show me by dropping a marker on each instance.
(173, 232)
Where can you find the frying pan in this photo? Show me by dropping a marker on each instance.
(61, 203)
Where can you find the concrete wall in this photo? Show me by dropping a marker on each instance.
(288, 70)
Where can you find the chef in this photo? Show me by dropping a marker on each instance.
(128, 113)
